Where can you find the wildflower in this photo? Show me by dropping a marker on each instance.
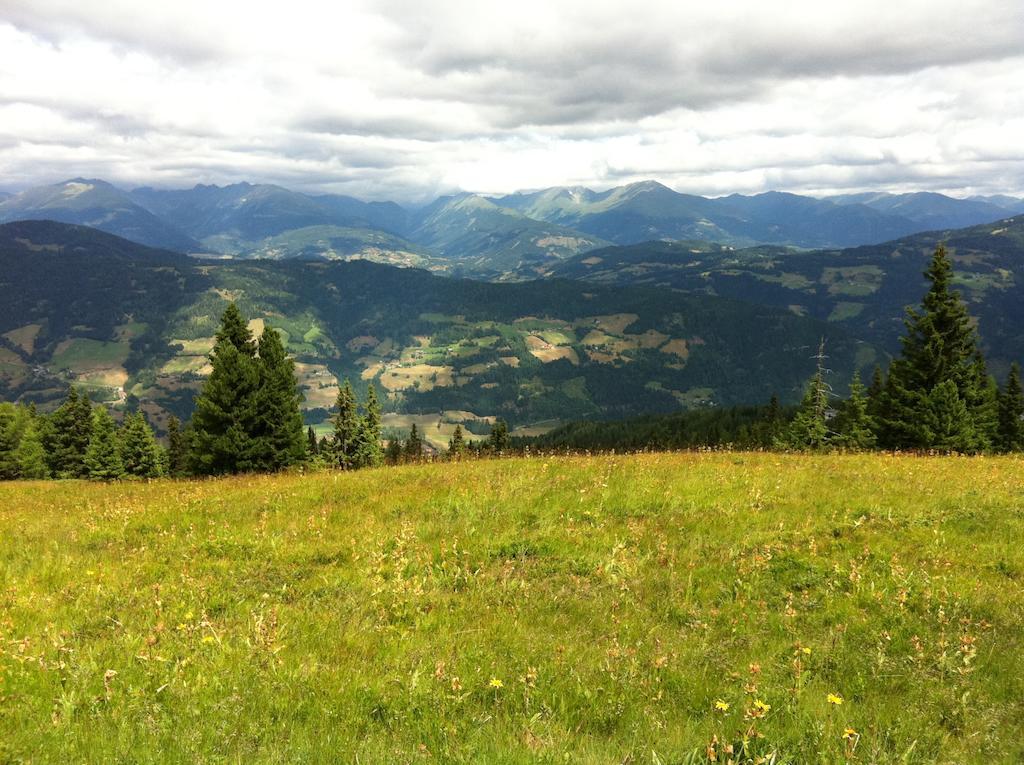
(762, 707)
(806, 651)
(496, 683)
(850, 734)
(208, 639)
(722, 706)
(834, 698)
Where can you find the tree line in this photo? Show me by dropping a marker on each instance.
(936, 395)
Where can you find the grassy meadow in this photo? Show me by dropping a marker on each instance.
(673, 608)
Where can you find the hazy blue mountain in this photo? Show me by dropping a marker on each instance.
(128, 322)
(96, 203)
(649, 210)
(930, 210)
(478, 237)
(1013, 205)
(863, 290)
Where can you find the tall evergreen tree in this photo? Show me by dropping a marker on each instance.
(1011, 414)
(346, 427)
(809, 428)
(140, 454)
(67, 436)
(312, 445)
(30, 453)
(499, 440)
(9, 439)
(368, 447)
(853, 425)
(413, 444)
(939, 349)
(177, 449)
(457, 443)
(103, 456)
(278, 440)
(393, 452)
(225, 416)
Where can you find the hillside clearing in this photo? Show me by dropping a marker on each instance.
(605, 609)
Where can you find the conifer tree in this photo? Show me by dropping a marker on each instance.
(939, 349)
(177, 449)
(809, 428)
(9, 439)
(457, 444)
(30, 453)
(393, 452)
(103, 456)
(68, 434)
(498, 440)
(225, 414)
(413, 444)
(853, 425)
(278, 440)
(312, 446)
(346, 427)
(368, 448)
(1011, 414)
(139, 452)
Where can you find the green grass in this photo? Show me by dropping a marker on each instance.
(85, 353)
(584, 610)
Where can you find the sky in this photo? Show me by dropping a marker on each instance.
(404, 100)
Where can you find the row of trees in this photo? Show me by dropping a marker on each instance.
(80, 440)
(937, 395)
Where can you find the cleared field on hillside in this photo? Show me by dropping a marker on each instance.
(591, 610)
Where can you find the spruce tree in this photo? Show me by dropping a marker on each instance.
(225, 414)
(413, 444)
(68, 434)
(368, 448)
(1011, 414)
(139, 452)
(278, 440)
(312, 446)
(498, 440)
(457, 444)
(177, 449)
(939, 349)
(30, 453)
(346, 427)
(9, 439)
(393, 452)
(853, 425)
(809, 428)
(103, 456)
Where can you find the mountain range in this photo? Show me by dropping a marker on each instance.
(516, 236)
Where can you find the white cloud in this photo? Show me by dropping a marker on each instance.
(404, 100)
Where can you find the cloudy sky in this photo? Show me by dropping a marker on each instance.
(406, 99)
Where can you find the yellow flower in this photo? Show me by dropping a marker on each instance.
(722, 706)
(760, 706)
(806, 651)
(208, 639)
(850, 734)
(834, 698)
(496, 683)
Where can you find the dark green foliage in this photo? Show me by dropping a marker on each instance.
(393, 452)
(30, 453)
(809, 428)
(226, 412)
(368, 447)
(457, 443)
(499, 440)
(177, 449)
(67, 436)
(312, 447)
(938, 394)
(854, 427)
(103, 457)
(140, 453)
(278, 440)
(413, 449)
(346, 427)
(1011, 414)
(9, 438)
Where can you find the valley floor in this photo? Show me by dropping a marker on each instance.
(589, 610)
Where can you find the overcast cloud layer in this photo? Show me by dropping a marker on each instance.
(405, 100)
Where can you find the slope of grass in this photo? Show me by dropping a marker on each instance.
(608, 610)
